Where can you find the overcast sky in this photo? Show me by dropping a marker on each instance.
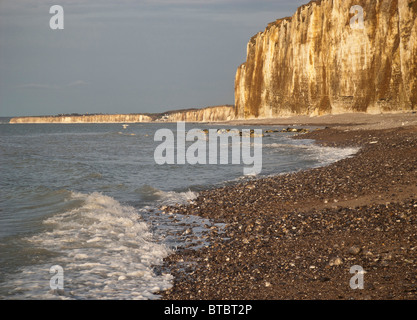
(126, 56)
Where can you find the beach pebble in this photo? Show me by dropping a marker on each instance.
(355, 250)
(335, 261)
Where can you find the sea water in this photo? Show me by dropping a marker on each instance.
(85, 197)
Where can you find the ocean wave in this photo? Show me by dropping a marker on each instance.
(149, 193)
(106, 250)
(173, 198)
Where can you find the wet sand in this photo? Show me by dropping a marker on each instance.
(296, 236)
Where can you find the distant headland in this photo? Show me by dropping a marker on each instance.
(208, 114)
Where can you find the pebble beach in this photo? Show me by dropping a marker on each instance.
(296, 236)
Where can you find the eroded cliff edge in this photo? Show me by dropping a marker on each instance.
(209, 114)
(98, 118)
(315, 63)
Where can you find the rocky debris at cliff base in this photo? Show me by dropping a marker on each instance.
(289, 130)
(279, 230)
(250, 132)
(253, 133)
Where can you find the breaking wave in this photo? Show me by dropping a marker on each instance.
(105, 249)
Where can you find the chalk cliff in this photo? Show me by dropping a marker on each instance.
(209, 114)
(99, 118)
(315, 63)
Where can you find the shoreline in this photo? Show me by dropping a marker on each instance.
(346, 120)
(296, 236)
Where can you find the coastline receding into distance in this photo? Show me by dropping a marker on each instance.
(209, 114)
(293, 235)
(316, 64)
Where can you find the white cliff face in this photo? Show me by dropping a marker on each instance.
(315, 63)
(117, 118)
(210, 114)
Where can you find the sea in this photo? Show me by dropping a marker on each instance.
(85, 199)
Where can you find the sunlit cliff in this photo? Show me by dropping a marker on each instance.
(317, 62)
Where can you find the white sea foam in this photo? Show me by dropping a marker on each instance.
(324, 155)
(329, 155)
(166, 197)
(105, 249)
(172, 198)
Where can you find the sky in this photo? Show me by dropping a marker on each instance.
(126, 56)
